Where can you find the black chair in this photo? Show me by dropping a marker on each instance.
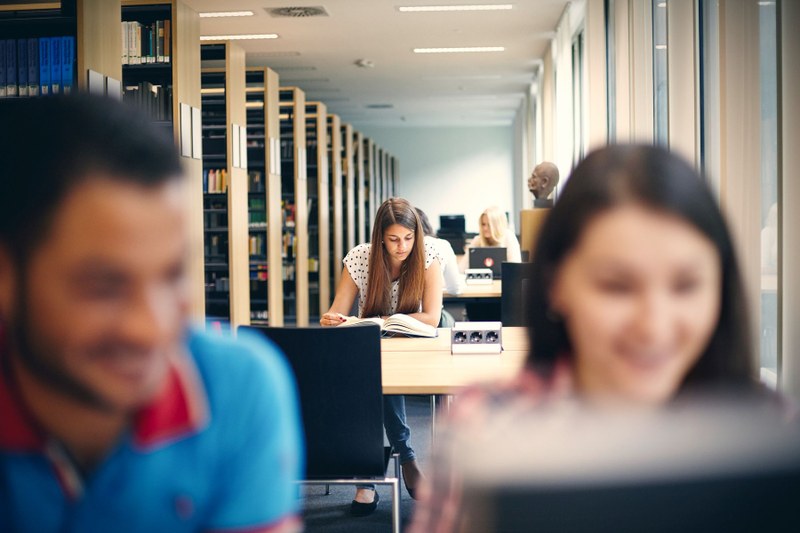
(338, 373)
(513, 295)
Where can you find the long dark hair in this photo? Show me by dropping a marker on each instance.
(652, 177)
(412, 272)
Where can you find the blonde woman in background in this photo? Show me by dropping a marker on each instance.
(495, 232)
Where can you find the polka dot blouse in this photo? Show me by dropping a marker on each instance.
(357, 263)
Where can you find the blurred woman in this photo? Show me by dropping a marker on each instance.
(635, 300)
(395, 273)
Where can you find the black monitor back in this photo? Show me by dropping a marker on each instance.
(514, 293)
(338, 373)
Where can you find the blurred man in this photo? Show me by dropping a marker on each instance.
(114, 414)
(543, 180)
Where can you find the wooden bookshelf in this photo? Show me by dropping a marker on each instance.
(263, 132)
(93, 25)
(361, 203)
(394, 172)
(181, 76)
(349, 189)
(224, 122)
(336, 197)
(370, 190)
(319, 213)
(294, 199)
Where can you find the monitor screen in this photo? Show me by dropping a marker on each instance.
(452, 224)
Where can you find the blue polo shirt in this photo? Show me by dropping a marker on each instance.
(218, 449)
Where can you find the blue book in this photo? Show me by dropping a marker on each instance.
(44, 66)
(55, 64)
(33, 67)
(2, 68)
(11, 67)
(67, 63)
(22, 67)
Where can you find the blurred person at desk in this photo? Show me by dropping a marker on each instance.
(453, 280)
(635, 301)
(115, 415)
(397, 272)
(495, 231)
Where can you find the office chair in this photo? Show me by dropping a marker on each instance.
(513, 295)
(338, 373)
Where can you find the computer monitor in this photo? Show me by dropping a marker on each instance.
(488, 257)
(452, 224)
(698, 474)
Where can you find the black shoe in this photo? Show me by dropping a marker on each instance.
(364, 509)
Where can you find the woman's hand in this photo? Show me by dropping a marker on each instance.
(332, 319)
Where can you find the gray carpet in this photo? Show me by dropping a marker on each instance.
(331, 513)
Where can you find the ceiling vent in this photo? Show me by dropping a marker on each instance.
(379, 106)
(297, 11)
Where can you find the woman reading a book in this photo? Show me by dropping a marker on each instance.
(395, 273)
(635, 301)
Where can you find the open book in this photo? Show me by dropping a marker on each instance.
(396, 325)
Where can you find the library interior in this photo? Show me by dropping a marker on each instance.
(478, 165)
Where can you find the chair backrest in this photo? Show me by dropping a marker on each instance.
(513, 294)
(338, 373)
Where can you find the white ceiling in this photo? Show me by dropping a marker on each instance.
(318, 54)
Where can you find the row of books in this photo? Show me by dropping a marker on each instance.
(37, 66)
(287, 148)
(255, 181)
(258, 244)
(215, 181)
(145, 43)
(155, 100)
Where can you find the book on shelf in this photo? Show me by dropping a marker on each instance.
(396, 325)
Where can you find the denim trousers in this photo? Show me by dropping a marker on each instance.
(397, 431)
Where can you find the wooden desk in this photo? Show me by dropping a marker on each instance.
(425, 366)
(477, 291)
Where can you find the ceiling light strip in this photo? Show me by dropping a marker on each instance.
(219, 14)
(250, 36)
(472, 7)
(458, 50)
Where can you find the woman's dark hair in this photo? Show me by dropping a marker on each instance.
(654, 178)
(427, 229)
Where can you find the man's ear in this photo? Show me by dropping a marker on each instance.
(8, 281)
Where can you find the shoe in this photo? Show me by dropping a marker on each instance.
(364, 509)
(411, 465)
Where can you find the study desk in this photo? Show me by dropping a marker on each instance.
(426, 366)
(477, 292)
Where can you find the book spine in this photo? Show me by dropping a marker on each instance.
(11, 67)
(160, 41)
(137, 43)
(22, 67)
(67, 63)
(167, 40)
(44, 66)
(55, 65)
(124, 42)
(2, 68)
(33, 67)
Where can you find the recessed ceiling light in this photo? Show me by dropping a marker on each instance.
(247, 36)
(472, 7)
(216, 14)
(463, 49)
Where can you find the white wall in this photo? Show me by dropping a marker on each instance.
(452, 170)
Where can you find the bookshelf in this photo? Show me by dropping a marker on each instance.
(336, 210)
(263, 152)
(225, 182)
(394, 172)
(319, 209)
(348, 187)
(78, 34)
(361, 204)
(179, 79)
(369, 184)
(294, 202)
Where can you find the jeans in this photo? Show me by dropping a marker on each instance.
(397, 431)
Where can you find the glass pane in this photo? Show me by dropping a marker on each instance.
(660, 72)
(769, 189)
